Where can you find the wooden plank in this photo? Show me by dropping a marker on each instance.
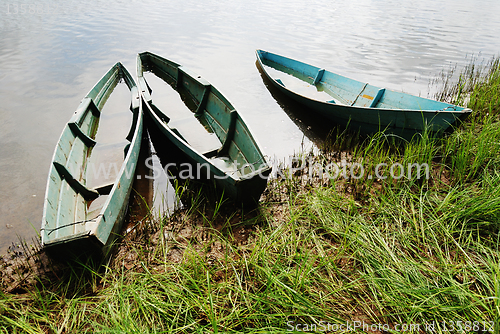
(87, 193)
(229, 134)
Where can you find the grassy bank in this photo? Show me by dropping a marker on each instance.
(398, 254)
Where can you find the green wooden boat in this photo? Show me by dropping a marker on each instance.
(357, 104)
(213, 137)
(83, 212)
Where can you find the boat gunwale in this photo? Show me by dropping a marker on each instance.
(135, 142)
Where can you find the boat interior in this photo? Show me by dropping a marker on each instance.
(201, 116)
(320, 84)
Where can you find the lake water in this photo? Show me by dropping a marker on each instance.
(52, 52)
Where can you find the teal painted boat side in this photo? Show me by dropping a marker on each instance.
(359, 104)
(234, 144)
(67, 223)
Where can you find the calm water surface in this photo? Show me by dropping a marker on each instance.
(52, 52)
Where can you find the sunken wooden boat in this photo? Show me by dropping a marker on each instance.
(83, 210)
(211, 135)
(357, 104)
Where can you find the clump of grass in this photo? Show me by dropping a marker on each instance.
(477, 87)
(473, 150)
(420, 257)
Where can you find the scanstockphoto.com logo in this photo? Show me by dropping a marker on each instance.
(452, 326)
(311, 168)
(308, 168)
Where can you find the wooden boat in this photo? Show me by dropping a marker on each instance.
(212, 136)
(360, 105)
(82, 212)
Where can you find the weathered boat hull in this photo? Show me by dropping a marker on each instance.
(69, 227)
(360, 105)
(232, 144)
